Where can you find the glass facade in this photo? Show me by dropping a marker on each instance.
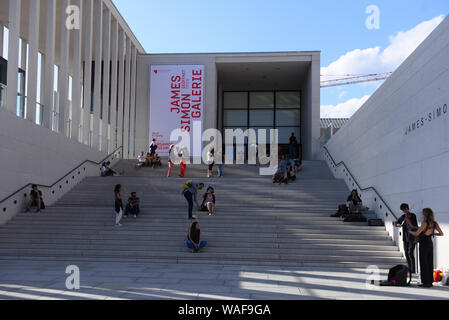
(264, 110)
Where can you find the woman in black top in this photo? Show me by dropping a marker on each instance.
(118, 205)
(194, 241)
(425, 234)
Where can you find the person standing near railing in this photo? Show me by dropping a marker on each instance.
(425, 235)
(408, 222)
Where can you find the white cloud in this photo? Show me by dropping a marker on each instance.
(374, 60)
(343, 110)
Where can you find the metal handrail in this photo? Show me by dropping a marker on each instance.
(355, 181)
(62, 178)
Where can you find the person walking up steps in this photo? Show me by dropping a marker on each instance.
(118, 205)
(190, 193)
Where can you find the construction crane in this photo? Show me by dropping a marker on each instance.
(353, 79)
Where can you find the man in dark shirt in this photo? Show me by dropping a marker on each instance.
(132, 206)
(293, 143)
(408, 221)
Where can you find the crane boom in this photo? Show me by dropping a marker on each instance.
(353, 79)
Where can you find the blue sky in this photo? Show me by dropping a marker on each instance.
(336, 28)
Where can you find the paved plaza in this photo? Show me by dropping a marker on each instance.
(131, 281)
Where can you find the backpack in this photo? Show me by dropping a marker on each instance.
(188, 185)
(397, 277)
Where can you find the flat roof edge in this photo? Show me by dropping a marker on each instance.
(231, 54)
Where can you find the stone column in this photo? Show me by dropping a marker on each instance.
(33, 40)
(13, 54)
(88, 20)
(132, 151)
(98, 47)
(49, 68)
(127, 99)
(63, 78)
(106, 79)
(113, 111)
(76, 75)
(120, 88)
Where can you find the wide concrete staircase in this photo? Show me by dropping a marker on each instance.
(256, 223)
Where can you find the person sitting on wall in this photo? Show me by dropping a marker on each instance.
(194, 239)
(141, 160)
(156, 161)
(35, 200)
(133, 206)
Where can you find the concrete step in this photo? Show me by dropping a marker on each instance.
(257, 223)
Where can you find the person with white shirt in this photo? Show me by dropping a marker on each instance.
(153, 147)
(141, 160)
(210, 162)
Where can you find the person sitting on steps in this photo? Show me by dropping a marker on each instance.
(35, 200)
(156, 161)
(298, 165)
(194, 239)
(354, 202)
(133, 206)
(291, 174)
(353, 205)
(209, 201)
(141, 160)
(280, 176)
(106, 170)
(149, 160)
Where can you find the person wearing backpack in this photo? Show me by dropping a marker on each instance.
(190, 193)
(407, 222)
(424, 236)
